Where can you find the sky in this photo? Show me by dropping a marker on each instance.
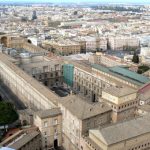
(79, 1)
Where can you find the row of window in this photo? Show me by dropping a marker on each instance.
(126, 105)
(141, 147)
(46, 75)
(55, 122)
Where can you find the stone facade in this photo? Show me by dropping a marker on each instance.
(50, 127)
(87, 84)
(18, 43)
(76, 126)
(27, 139)
(24, 86)
(131, 139)
(64, 47)
(47, 72)
(124, 104)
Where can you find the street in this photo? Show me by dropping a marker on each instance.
(7, 95)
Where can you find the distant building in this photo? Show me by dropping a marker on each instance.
(34, 15)
(28, 139)
(64, 47)
(107, 60)
(121, 43)
(145, 51)
(6, 148)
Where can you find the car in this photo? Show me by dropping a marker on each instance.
(61, 93)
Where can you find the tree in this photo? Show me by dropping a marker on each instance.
(135, 58)
(139, 71)
(142, 69)
(75, 13)
(8, 114)
(53, 50)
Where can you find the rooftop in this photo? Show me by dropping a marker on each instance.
(123, 131)
(82, 108)
(119, 91)
(49, 113)
(124, 74)
(130, 74)
(24, 140)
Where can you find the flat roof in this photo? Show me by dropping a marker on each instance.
(119, 91)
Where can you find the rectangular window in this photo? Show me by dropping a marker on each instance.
(45, 124)
(45, 133)
(55, 121)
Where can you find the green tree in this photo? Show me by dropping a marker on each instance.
(75, 13)
(139, 71)
(8, 114)
(142, 69)
(53, 50)
(135, 58)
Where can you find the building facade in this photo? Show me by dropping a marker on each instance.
(123, 101)
(27, 139)
(120, 43)
(50, 125)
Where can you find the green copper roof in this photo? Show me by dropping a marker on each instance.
(101, 68)
(130, 74)
(124, 74)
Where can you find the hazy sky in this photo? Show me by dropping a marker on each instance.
(78, 1)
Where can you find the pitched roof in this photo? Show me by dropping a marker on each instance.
(48, 113)
(123, 131)
(82, 108)
(24, 140)
(123, 73)
(130, 74)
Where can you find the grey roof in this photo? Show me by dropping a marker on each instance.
(145, 108)
(82, 108)
(123, 131)
(48, 113)
(24, 140)
(119, 91)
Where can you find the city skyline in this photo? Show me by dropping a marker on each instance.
(77, 1)
(74, 75)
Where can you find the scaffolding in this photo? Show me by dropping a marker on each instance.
(68, 74)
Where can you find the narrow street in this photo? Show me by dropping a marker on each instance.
(7, 95)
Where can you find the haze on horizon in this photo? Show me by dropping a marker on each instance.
(77, 1)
